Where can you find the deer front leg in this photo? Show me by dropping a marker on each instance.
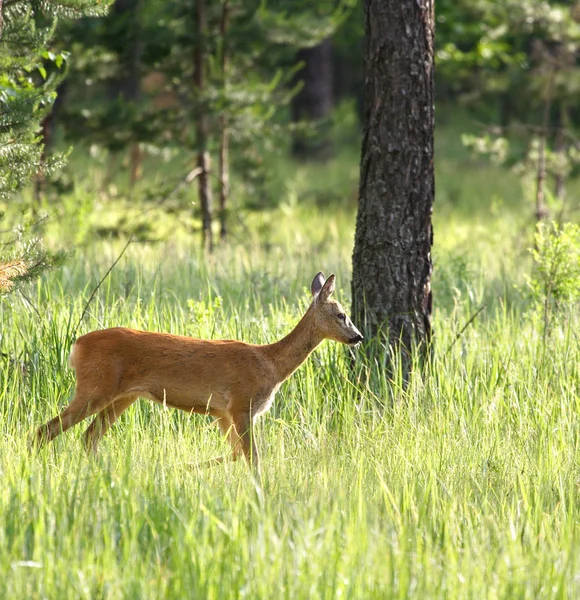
(244, 427)
(228, 430)
(226, 426)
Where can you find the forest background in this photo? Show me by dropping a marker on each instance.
(222, 138)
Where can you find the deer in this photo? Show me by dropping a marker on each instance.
(232, 381)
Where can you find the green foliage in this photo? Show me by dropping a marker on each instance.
(515, 65)
(555, 280)
(29, 76)
(300, 23)
(22, 246)
(464, 485)
(159, 38)
(496, 148)
(26, 97)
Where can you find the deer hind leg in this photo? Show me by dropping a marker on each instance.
(81, 407)
(103, 421)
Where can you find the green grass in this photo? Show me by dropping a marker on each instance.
(464, 485)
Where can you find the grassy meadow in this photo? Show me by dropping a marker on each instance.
(463, 485)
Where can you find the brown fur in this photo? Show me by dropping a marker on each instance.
(230, 380)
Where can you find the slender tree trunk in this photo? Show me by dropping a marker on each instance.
(224, 175)
(560, 178)
(135, 161)
(203, 157)
(133, 91)
(392, 266)
(46, 133)
(224, 169)
(125, 87)
(40, 177)
(541, 208)
(314, 101)
(560, 148)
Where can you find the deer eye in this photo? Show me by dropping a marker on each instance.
(342, 316)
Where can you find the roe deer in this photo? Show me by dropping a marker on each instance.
(229, 380)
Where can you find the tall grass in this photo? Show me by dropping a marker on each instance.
(463, 485)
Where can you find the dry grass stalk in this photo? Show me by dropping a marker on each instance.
(9, 270)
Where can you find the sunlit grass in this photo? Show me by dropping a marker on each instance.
(464, 485)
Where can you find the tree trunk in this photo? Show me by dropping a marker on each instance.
(560, 150)
(40, 177)
(314, 101)
(125, 87)
(560, 177)
(541, 208)
(125, 18)
(224, 168)
(392, 266)
(224, 175)
(46, 132)
(203, 158)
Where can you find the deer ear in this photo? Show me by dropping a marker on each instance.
(317, 284)
(327, 289)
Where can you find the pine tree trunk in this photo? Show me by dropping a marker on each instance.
(314, 101)
(560, 178)
(40, 177)
(560, 150)
(224, 165)
(391, 285)
(46, 131)
(541, 207)
(224, 175)
(126, 86)
(541, 210)
(203, 158)
(125, 16)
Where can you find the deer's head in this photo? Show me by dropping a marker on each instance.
(329, 316)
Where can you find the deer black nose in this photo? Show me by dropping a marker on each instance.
(357, 339)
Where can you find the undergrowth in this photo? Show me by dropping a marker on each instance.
(462, 485)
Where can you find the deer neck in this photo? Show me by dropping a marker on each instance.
(291, 351)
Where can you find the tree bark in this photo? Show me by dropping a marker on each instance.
(125, 17)
(314, 101)
(391, 287)
(560, 150)
(46, 134)
(125, 87)
(203, 157)
(541, 208)
(224, 170)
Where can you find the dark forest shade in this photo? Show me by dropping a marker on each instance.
(314, 101)
(125, 87)
(127, 44)
(202, 128)
(392, 255)
(224, 143)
